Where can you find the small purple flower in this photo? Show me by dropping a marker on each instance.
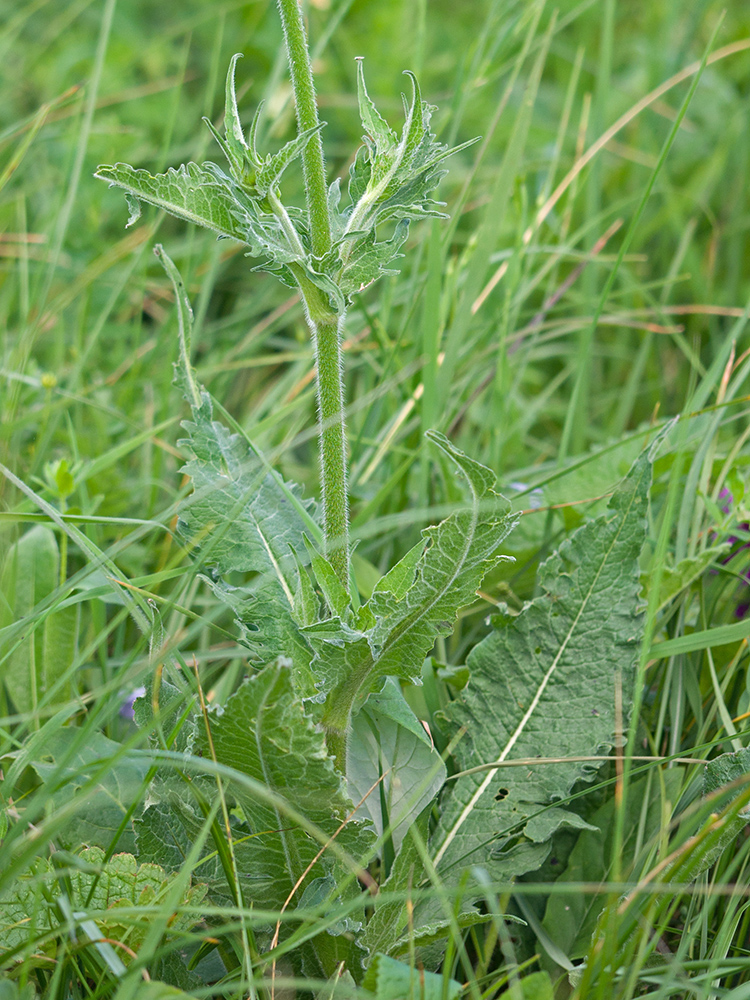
(726, 501)
(126, 708)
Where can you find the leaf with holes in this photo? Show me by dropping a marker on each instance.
(544, 683)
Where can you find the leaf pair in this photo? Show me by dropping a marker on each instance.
(254, 174)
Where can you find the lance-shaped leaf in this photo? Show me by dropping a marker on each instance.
(191, 193)
(274, 166)
(412, 606)
(543, 684)
(241, 516)
(265, 733)
(391, 179)
(372, 121)
(235, 140)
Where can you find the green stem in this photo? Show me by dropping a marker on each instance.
(307, 117)
(325, 324)
(326, 327)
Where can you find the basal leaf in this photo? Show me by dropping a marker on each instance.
(100, 888)
(388, 978)
(73, 765)
(265, 733)
(543, 684)
(570, 917)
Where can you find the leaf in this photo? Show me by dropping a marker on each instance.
(274, 166)
(333, 590)
(235, 140)
(97, 887)
(706, 851)
(264, 732)
(389, 979)
(428, 594)
(73, 764)
(369, 260)
(536, 986)
(387, 738)
(191, 193)
(241, 517)
(373, 123)
(677, 578)
(543, 683)
(570, 917)
(401, 174)
(30, 574)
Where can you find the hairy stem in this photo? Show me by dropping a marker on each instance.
(326, 327)
(307, 117)
(327, 339)
(325, 324)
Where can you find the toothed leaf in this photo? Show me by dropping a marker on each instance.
(543, 684)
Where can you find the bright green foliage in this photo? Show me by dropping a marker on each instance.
(264, 733)
(417, 601)
(387, 739)
(536, 986)
(543, 683)
(388, 978)
(35, 662)
(98, 891)
(570, 917)
(242, 518)
(390, 180)
(105, 790)
(675, 579)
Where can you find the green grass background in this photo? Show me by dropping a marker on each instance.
(543, 350)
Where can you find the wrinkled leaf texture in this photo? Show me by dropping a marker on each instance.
(543, 684)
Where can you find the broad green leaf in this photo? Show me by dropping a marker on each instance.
(387, 738)
(536, 986)
(429, 591)
(31, 574)
(543, 684)
(389, 979)
(333, 989)
(570, 917)
(73, 764)
(153, 990)
(370, 260)
(191, 193)
(99, 890)
(265, 733)
(241, 516)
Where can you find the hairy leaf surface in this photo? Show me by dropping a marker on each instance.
(418, 600)
(264, 732)
(543, 684)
